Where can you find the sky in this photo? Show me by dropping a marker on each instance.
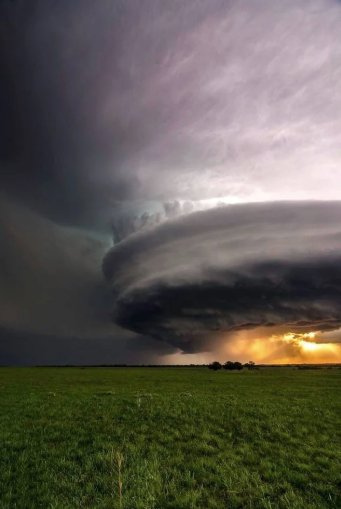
(169, 179)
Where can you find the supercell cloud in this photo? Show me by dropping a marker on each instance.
(233, 268)
(127, 121)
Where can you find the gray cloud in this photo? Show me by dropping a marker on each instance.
(19, 347)
(50, 279)
(230, 269)
(131, 217)
(170, 100)
(54, 303)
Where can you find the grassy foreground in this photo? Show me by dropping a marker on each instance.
(169, 438)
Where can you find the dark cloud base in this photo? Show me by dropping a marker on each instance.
(19, 348)
(231, 269)
(54, 303)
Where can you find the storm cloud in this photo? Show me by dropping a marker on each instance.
(121, 121)
(169, 100)
(229, 269)
(54, 303)
(50, 279)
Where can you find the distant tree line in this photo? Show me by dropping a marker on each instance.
(232, 366)
(120, 365)
(229, 365)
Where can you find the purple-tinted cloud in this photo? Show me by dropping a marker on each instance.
(170, 100)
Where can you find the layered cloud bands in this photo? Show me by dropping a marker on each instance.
(233, 268)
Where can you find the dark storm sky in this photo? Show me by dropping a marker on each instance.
(153, 100)
(105, 100)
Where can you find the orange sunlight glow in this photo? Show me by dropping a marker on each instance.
(306, 344)
(285, 348)
(262, 347)
(301, 340)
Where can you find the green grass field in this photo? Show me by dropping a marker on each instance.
(169, 438)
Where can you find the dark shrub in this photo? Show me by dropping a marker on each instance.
(238, 366)
(231, 366)
(215, 366)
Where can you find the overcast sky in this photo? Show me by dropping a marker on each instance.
(149, 111)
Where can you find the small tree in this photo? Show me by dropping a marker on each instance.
(238, 366)
(215, 366)
(231, 366)
(250, 365)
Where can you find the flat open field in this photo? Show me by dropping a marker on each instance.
(169, 438)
